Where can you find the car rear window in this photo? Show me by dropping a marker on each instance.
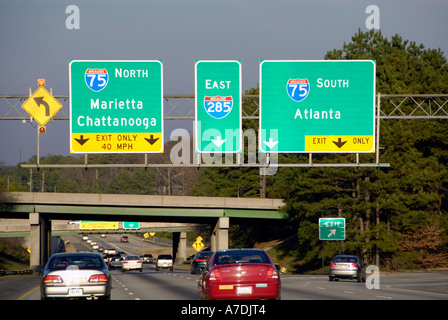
(243, 256)
(78, 261)
(132, 258)
(165, 256)
(204, 255)
(345, 259)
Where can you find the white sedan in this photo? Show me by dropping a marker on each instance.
(132, 263)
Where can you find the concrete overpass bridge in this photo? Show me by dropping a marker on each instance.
(40, 211)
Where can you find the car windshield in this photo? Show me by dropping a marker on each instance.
(78, 261)
(241, 256)
(345, 259)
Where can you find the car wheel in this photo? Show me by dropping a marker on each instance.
(171, 269)
(141, 270)
(122, 270)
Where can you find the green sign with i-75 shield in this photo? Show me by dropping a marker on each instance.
(317, 106)
(116, 106)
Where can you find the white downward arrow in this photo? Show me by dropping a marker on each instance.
(218, 141)
(271, 143)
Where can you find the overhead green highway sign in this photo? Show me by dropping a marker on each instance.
(131, 225)
(116, 106)
(218, 92)
(324, 106)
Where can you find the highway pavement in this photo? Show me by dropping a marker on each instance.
(180, 284)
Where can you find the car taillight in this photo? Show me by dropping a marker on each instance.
(215, 275)
(354, 265)
(98, 278)
(332, 265)
(272, 273)
(53, 279)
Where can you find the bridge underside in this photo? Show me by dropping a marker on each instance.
(178, 213)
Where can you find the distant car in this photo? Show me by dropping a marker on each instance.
(147, 258)
(239, 274)
(76, 275)
(132, 263)
(124, 239)
(347, 267)
(164, 261)
(200, 261)
(112, 251)
(103, 235)
(85, 237)
(115, 261)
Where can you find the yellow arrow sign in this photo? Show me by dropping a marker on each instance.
(42, 106)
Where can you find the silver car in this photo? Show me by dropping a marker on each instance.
(347, 267)
(76, 275)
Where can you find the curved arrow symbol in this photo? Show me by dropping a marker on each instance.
(39, 101)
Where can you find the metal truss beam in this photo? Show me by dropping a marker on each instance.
(181, 107)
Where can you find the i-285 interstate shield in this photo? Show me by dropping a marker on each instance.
(116, 106)
(325, 106)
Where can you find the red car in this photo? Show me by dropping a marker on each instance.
(239, 274)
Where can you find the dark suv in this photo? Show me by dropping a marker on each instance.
(200, 261)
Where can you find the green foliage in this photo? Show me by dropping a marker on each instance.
(79, 180)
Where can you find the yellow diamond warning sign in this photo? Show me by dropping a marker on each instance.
(42, 106)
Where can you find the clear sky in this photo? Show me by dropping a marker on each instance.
(35, 43)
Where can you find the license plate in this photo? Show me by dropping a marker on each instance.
(244, 290)
(75, 292)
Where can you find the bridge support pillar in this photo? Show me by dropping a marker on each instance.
(220, 235)
(40, 235)
(179, 246)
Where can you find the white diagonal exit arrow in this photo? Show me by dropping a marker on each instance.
(271, 143)
(218, 141)
(332, 232)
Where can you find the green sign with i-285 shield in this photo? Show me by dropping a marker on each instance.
(218, 92)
